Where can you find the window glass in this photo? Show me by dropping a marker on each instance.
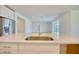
(55, 28)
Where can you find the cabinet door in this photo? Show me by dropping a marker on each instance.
(4, 12)
(39, 48)
(73, 49)
(8, 48)
(11, 14)
(8, 51)
(37, 52)
(20, 25)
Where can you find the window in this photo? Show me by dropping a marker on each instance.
(55, 28)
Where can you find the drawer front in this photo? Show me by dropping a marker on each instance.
(8, 46)
(8, 51)
(40, 48)
(38, 52)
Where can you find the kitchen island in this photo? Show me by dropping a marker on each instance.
(17, 44)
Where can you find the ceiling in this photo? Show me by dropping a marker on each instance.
(44, 11)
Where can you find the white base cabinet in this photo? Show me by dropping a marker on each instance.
(4, 51)
(28, 48)
(8, 48)
(39, 48)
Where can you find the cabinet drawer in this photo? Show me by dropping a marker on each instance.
(8, 51)
(38, 52)
(8, 46)
(39, 47)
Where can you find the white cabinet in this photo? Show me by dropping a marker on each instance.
(11, 14)
(20, 25)
(29, 48)
(33, 48)
(8, 48)
(38, 52)
(3, 11)
(6, 12)
(8, 51)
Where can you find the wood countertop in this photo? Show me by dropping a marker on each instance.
(20, 38)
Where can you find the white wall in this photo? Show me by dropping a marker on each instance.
(75, 23)
(69, 24)
(28, 26)
(45, 27)
(65, 23)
